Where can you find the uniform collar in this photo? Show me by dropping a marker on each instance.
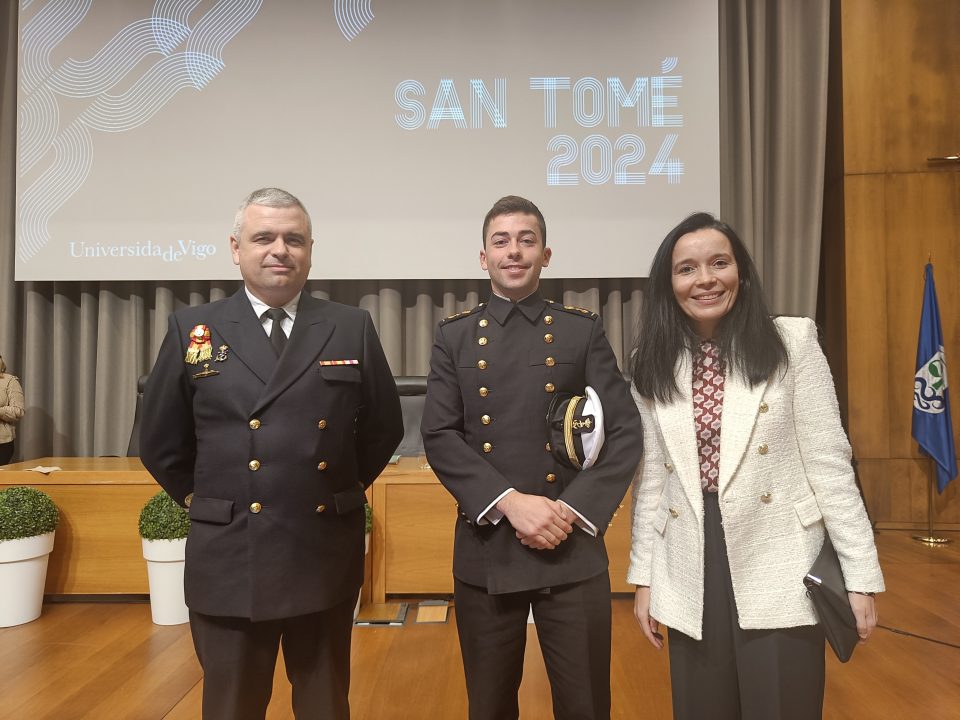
(531, 307)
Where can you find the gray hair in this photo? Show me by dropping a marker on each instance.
(273, 198)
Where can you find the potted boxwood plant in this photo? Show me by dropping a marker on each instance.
(163, 531)
(28, 520)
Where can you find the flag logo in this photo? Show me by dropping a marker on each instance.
(930, 385)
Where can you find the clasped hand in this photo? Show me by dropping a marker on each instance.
(540, 523)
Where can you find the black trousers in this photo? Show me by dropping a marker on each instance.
(573, 627)
(735, 674)
(239, 658)
(6, 452)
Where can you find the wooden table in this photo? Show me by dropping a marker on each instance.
(412, 544)
(96, 550)
(97, 546)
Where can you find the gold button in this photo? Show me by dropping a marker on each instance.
(551, 477)
(766, 497)
(674, 513)
(188, 499)
(254, 465)
(482, 364)
(486, 419)
(764, 407)
(668, 466)
(487, 447)
(321, 508)
(255, 507)
(548, 319)
(549, 387)
(763, 449)
(483, 392)
(484, 322)
(322, 465)
(547, 447)
(322, 424)
(481, 341)
(550, 362)
(254, 424)
(548, 338)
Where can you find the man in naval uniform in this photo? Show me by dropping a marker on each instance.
(268, 414)
(530, 527)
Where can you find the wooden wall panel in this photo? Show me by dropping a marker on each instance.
(900, 100)
(900, 66)
(866, 321)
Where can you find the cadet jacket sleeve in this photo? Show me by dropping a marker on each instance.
(472, 481)
(380, 424)
(168, 444)
(825, 453)
(597, 491)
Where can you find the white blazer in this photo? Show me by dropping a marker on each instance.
(785, 472)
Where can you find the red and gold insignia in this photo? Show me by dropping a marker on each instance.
(200, 348)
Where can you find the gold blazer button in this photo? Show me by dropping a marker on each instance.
(551, 477)
(674, 513)
(764, 407)
(486, 419)
(549, 387)
(766, 497)
(254, 424)
(254, 465)
(763, 449)
(322, 465)
(668, 467)
(482, 364)
(321, 508)
(322, 424)
(483, 322)
(488, 447)
(548, 338)
(483, 392)
(481, 341)
(255, 507)
(548, 319)
(550, 362)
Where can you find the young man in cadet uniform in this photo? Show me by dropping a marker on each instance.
(531, 514)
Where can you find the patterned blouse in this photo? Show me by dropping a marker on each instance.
(707, 411)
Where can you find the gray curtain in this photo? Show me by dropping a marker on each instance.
(79, 347)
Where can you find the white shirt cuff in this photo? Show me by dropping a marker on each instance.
(581, 522)
(491, 515)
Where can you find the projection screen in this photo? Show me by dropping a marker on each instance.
(143, 123)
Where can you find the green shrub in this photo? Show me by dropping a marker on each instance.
(368, 513)
(25, 512)
(162, 519)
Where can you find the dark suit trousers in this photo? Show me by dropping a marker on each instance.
(239, 658)
(573, 627)
(735, 674)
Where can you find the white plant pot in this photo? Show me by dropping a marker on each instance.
(23, 573)
(165, 560)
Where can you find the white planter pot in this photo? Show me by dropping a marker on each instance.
(165, 560)
(23, 573)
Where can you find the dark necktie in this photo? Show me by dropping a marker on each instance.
(277, 337)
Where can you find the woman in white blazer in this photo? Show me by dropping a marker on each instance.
(746, 467)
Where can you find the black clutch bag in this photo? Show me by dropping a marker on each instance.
(825, 587)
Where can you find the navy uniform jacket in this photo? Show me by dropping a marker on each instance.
(276, 453)
(493, 372)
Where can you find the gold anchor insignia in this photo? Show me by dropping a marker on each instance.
(580, 424)
(222, 355)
